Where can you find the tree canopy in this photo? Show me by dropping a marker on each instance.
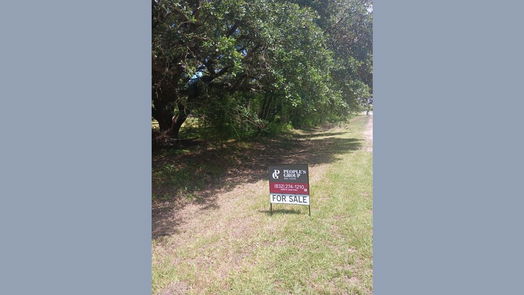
(249, 66)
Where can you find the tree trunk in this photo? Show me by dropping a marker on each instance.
(163, 111)
(264, 112)
(177, 121)
(164, 120)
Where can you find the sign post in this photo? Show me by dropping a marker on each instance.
(289, 184)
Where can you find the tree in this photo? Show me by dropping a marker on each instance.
(348, 27)
(249, 63)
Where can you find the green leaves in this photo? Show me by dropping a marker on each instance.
(306, 55)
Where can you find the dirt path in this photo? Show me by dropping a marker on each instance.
(235, 214)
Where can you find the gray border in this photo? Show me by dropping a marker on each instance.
(75, 161)
(448, 146)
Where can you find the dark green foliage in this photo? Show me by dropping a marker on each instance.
(246, 68)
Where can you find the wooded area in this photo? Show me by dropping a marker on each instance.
(244, 68)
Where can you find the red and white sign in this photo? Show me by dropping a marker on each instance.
(289, 184)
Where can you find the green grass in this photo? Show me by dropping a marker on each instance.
(288, 252)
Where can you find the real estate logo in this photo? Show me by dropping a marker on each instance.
(276, 173)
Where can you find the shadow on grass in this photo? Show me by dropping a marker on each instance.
(197, 174)
(282, 211)
(314, 135)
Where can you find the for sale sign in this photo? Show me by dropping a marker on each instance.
(289, 184)
(289, 199)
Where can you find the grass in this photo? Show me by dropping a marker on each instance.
(238, 248)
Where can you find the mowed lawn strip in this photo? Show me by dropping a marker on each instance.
(245, 251)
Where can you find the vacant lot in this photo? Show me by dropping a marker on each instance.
(213, 233)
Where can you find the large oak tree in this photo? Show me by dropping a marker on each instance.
(263, 61)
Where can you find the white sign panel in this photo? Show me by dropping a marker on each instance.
(289, 199)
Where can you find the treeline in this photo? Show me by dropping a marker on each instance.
(244, 67)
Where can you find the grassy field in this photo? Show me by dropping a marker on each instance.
(224, 241)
